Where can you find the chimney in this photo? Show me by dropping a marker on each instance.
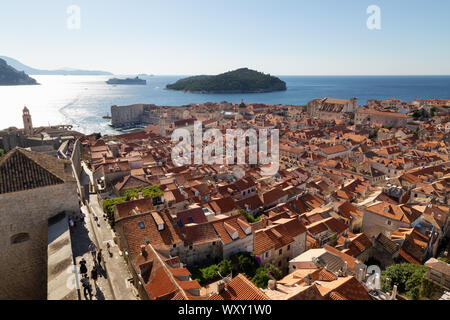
(143, 251)
(387, 282)
(220, 287)
(272, 285)
(140, 195)
(346, 245)
(394, 293)
(360, 275)
(345, 269)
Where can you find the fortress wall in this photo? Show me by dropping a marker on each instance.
(23, 265)
(126, 115)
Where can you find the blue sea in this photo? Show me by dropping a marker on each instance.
(82, 100)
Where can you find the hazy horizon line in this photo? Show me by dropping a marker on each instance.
(273, 74)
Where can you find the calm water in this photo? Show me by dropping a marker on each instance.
(83, 100)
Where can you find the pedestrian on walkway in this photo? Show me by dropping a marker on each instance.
(74, 220)
(87, 289)
(93, 250)
(108, 247)
(83, 268)
(94, 276)
(99, 257)
(71, 223)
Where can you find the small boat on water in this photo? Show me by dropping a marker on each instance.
(107, 116)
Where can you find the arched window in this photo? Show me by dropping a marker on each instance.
(19, 238)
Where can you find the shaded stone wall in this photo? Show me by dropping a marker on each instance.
(23, 265)
(374, 224)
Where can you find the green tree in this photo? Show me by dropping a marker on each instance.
(446, 260)
(210, 273)
(2, 152)
(261, 278)
(275, 272)
(407, 277)
(108, 207)
(225, 267)
(245, 262)
(147, 192)
(249, 217)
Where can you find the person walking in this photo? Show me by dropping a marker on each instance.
(87, 289)
(94, 276)
(93, 250)
(71, 224)
(108, 248)
(83, 268)
(99, 257)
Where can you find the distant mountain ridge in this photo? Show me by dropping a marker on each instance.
(63, 71)
(241, 80)
(9, 76)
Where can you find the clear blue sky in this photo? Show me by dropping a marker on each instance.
(285, 37)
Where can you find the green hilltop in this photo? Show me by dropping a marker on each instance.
(11, 77)
(241, 80)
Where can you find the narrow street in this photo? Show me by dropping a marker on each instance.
(117, 271)
(81, 237)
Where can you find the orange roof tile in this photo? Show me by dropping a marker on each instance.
(240, 288)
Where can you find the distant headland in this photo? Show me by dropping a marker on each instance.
(60, 72)
(241, 80)
(11, 77)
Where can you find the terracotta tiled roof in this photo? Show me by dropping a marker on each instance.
(326, 275)
(134, 207)
(271, 196)
(335, 225)
(161, 280)
(387, 243)
(337, 296)
(225, 227)
(381, 113)
(273, 237)
(346, 288)
(388, 210)
(316, 228)
(254, 202)
(349, 211)
(293, 227)
(199, 234)
(137, 229)
(21, 169)
(223, 205)
(179, 272)
(240, 288)
(345, 257)
(195, 215)
(130, 182)
(334, 149)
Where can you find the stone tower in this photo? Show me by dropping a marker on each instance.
(162, 126)
(27, 124)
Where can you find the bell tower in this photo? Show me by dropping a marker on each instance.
(27, 124)
(162, 126)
